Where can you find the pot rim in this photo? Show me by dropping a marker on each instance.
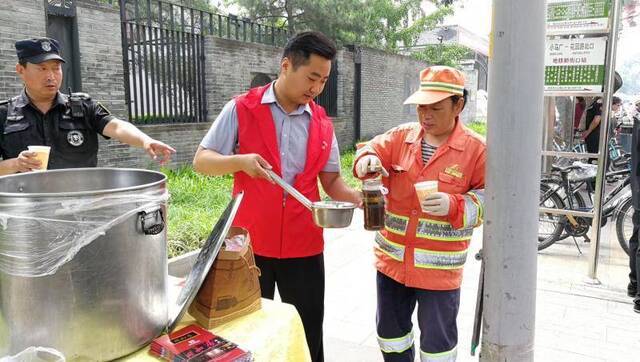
(84, 193)
(334, 205)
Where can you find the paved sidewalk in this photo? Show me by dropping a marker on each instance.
(574, 321)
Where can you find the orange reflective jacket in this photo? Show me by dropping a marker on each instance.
(415, 248)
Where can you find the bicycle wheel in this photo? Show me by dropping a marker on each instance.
(550, 226)
(624, 223)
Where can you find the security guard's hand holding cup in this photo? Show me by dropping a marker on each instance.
(436, 204)
(26, 161)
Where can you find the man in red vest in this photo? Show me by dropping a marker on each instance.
(280, 127)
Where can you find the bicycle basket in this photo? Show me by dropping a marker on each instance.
(585, 172)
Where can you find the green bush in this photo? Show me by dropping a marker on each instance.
(478, 127)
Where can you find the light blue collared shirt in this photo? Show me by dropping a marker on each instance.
(292, 132)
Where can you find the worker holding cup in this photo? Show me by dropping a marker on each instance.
(434, 172)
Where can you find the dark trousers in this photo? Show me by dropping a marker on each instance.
(592, 142)
(437, 313)
(300, 282)
(634, 252)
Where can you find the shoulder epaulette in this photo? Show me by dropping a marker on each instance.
(81, 95)
(7, 101)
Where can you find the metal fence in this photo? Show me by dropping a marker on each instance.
(329, 96)
(163, 56)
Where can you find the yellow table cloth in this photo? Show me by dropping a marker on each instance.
(273, 333)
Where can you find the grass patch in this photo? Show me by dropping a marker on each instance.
(478, 127)
(197, 201)
(194, 207)
(346, 162)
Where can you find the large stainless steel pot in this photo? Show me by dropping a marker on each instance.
(110, 299)
(326, 214)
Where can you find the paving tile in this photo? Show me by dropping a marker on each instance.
(556, 355)
(575, 321)
(371, 341)
(341, 351)
(625, 337)
(349, 332)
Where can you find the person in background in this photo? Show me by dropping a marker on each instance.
(634, 245)
(581, 104)
(593, 116)
(591, 135)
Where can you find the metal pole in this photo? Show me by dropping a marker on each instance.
(516, 75)
(604, 141)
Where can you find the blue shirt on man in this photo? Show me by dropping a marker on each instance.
(292, 132)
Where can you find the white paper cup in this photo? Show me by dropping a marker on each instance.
(424, 189)
(42, 154)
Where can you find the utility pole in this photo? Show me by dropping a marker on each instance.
(516, 75)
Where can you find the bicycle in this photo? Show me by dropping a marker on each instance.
(563, 192)
(617, 157)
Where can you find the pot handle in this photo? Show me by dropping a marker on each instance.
(152, 222)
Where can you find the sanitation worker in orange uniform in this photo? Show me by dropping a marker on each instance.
(421, 251)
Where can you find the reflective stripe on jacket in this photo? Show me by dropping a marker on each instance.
(415, 248)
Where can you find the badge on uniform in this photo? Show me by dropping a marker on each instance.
(75, 138)
(46, 46)
(454, 171)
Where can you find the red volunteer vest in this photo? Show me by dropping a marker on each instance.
(279, 227)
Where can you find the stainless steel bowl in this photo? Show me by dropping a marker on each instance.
(332, 214)
(326, 214)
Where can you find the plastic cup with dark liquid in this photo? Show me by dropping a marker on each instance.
(373, 204)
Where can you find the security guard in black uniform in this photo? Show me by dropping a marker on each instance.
(69, 124)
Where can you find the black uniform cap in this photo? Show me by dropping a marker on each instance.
(38, 50)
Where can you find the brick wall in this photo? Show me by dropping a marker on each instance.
(19, 19)
(231, 65)
(185, 138)
(100, 48)
(387, 80)
(471, 84)
(343, 123)
(102, 74)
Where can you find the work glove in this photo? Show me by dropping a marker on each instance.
(369, 164)
(436, 204)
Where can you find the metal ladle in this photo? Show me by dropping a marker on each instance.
(326, 214)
